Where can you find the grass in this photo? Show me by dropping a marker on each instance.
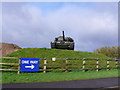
(58, 53)
(13, 77)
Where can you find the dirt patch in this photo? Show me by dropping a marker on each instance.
(7, 48)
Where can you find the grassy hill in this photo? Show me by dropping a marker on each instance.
(13, 77)
(58, 53)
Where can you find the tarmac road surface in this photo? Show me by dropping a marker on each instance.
(91, 83)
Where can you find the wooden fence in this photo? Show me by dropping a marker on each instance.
(66, 64)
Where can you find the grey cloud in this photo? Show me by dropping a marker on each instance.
(27, 27)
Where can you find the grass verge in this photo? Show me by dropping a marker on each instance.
(13, 77)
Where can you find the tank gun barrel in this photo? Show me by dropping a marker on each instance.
(63, 35)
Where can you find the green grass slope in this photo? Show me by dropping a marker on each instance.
(58, 53)
(13, 77)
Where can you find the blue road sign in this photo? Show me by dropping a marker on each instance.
(29, 64)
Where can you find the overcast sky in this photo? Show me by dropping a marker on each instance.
(34, 25)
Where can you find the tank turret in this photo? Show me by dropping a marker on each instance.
(63, 42)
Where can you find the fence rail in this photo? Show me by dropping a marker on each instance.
(66, 64)
(61, 58)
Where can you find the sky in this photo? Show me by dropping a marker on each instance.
(35, 24)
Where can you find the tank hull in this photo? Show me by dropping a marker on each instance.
(69, 46)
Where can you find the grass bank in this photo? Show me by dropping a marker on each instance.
(13, 77)
(57, 53)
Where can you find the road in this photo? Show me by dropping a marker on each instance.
(91, 83)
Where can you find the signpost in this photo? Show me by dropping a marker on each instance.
(29, 64)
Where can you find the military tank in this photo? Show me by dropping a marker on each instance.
(63, 42)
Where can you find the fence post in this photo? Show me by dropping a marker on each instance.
(116, 63)
(18, 67)
(45, 67)
(66, 61)
(97, 63)
(107, 65)
(83, 67)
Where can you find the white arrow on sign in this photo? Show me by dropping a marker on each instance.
(32, 66)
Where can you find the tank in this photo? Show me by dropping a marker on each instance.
(63, 42)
